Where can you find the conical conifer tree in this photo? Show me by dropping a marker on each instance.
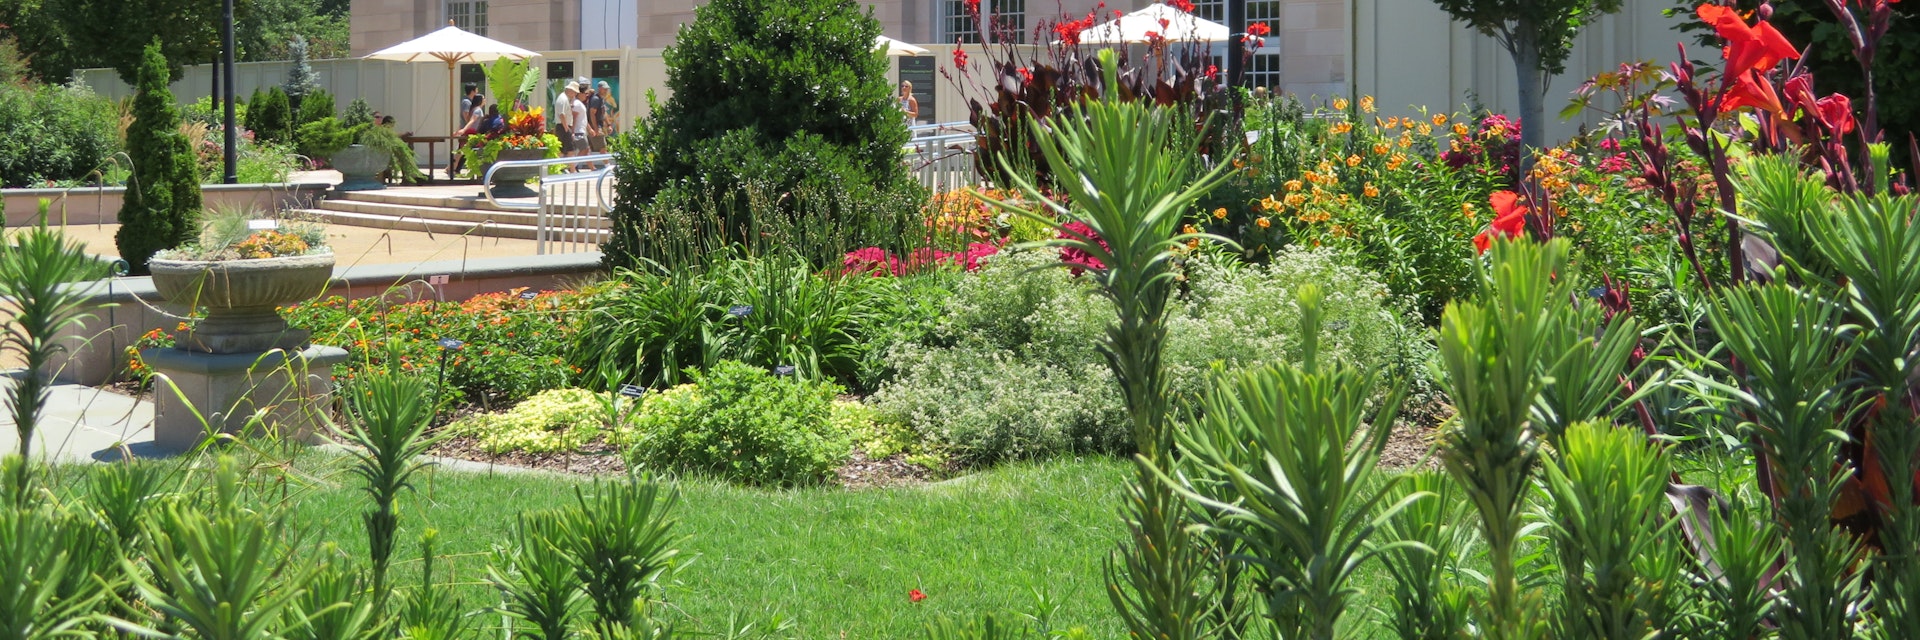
(163, 195)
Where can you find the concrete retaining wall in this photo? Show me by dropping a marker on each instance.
(125, 308)
(101, 205)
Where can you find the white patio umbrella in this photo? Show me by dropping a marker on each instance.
(1171, 24)
(453, 46)
(896, 47)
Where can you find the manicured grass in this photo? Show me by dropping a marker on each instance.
(837, 563)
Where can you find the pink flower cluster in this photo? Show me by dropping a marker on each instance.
(877, 262)
(1081, 260)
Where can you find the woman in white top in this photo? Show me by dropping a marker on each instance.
(909, 104)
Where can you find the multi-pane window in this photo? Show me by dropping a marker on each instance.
(470, 15)
(1263, 69)
(1006, 20)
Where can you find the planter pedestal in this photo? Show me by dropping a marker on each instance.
(280, 393)
(242, 370)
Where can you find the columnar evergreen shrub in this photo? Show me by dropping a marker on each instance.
(163, 196)
(773, 96)
(270, 117)
(314, 106)
(302, 80)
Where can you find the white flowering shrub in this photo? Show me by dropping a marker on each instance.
(1012, 372)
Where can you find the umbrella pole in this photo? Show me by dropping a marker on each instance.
(453, 91)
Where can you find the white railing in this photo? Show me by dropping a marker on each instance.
(942, 162)
(571, 210)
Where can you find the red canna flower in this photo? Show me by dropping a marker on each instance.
(1183, 5)
(916, 595)
(1836, 111)
(1025, 74)
(959, 58)
(1259, 29)
(1750, 49)
(1509, 220)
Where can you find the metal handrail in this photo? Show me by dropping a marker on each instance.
(486, 181)
(939, 126)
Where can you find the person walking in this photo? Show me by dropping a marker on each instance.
(578, 121)
(558, 117)
(597, 121)
(612, 110)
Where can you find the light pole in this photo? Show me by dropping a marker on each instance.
(230, 150)
(1236, 47)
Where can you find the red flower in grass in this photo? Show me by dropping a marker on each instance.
(1509, 220)
(916, 595)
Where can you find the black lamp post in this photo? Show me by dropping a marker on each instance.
(1236, 46)
(230, 149)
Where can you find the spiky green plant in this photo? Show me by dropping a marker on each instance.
(1585, 362)
(1737, 576)
(386, 427)
(1297, 448)
(36, 559)
(1429, 599)
(1793, 350)
(431, 612)
(621, 540)
(1873, 244)
(221, 574)
(1136, 182)
(537, 578)
(334, 606)
(36, 266)
(1608, 489)
(1492, 351)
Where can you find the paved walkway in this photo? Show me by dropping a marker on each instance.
(84, 424)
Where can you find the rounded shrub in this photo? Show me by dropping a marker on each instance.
(811, 151)
(54, 132)
(742, 423)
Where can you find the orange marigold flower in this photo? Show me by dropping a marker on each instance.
(1269, 204)
(1366, 104)
(1381, 148)
(1339, 104)
(1263, 222)
(1295, 199)
(1371, 191)
(1189, 229)
(1310, 176)
(1393, 163)
(1393, 122)
(1220, 213)
(1459, 129)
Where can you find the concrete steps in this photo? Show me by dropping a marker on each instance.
(443, 210)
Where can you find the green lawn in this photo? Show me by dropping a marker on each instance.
(837, 563)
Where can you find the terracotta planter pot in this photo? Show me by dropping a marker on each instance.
(360, 168)
(242, 298)
(512, 182)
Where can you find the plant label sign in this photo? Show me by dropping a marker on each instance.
(451, 344)
(528, 295)
(783, 370)
(632, 391)
(740, 310)
(262, 225)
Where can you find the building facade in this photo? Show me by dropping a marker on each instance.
(1307, 53)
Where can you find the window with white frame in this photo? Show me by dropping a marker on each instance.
(469, 15)
(1263, 69)
(1007, 20)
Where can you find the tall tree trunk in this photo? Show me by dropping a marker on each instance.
(1532, 84)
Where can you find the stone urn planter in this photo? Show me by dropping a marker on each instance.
(512, 182)
(360, 168)
(242, 370)
(242, 298)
